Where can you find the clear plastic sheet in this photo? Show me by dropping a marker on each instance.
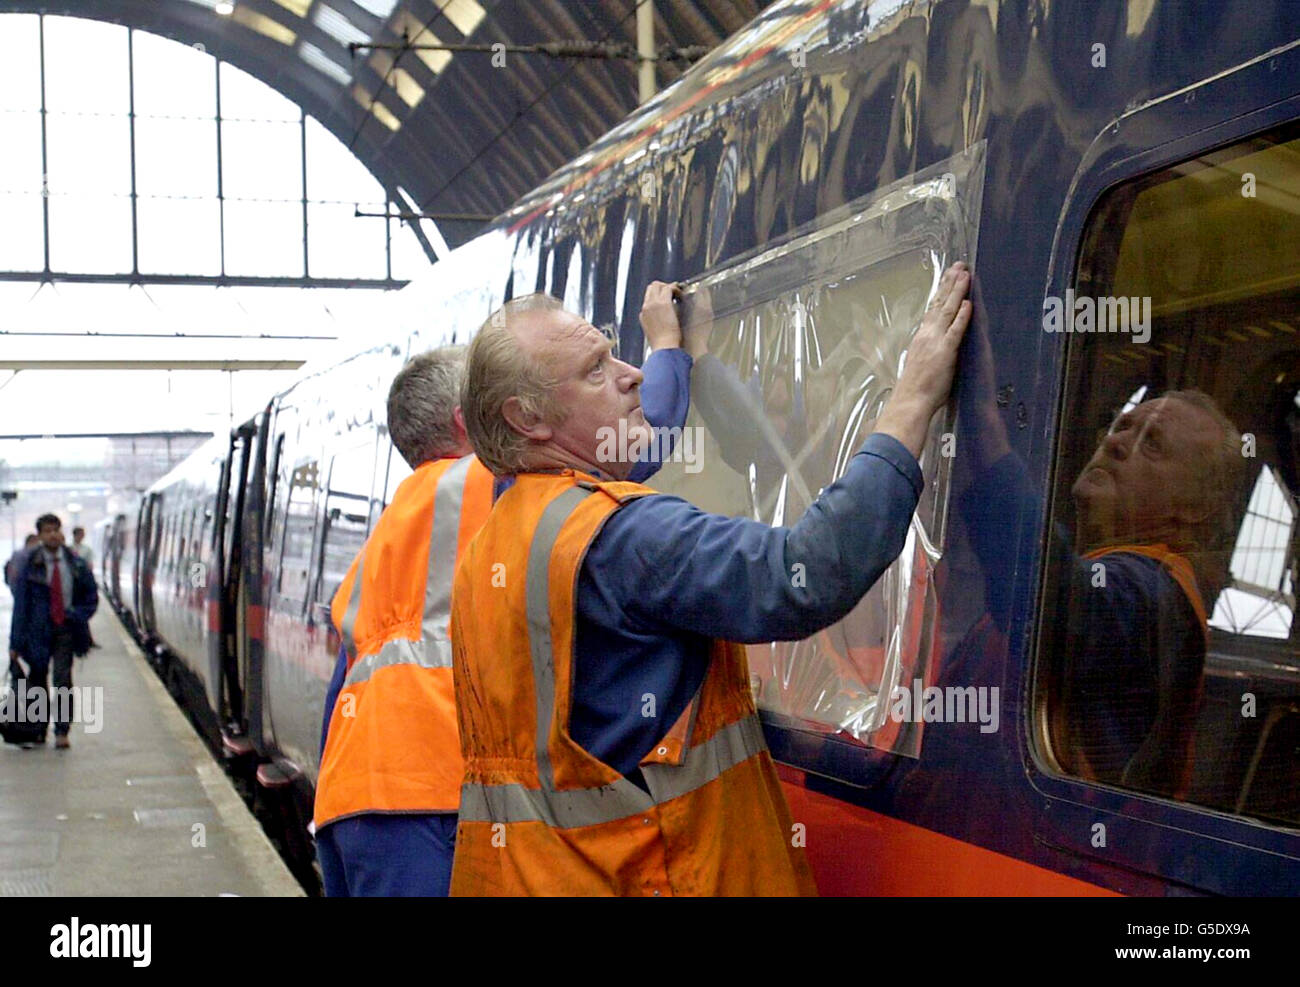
(808, 339)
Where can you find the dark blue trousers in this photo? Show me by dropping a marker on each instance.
(388, 856)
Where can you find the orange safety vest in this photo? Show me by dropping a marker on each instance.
(541, 816)
(392, 743)
(1176, 565)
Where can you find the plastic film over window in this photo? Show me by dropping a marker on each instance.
(797, 348)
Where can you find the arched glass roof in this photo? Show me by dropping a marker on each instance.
(447, 133)
(129, 155)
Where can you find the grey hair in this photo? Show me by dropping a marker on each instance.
(1224, 489)
(496, 370)
(422, 402)
(1224, 473)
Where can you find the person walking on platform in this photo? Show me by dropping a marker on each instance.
(82, 549)
(610, 736)
(391, 769)
(54, 598)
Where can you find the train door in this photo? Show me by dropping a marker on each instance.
(148, 544)
(291, 552)
(263, 562)
(225, 684)
(1165, 703)
(245, 581)
(137, 564)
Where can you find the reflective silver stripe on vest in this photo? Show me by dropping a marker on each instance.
(560, 810)
(442, 549)
(571, 808)
(537, 595)
(425, 653)
(354, 605)
(730, 746)
(734, 743)
(433, 650)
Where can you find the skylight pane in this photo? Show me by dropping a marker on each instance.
(265, 26)
(337, 26)
(410, 91)
(335, 174)
(382, 113)
(77, 50)
(380, 8)
(172, 79)
(20, 69)
(465, 14)
(407, 26)
(245, 98)
(321, 62)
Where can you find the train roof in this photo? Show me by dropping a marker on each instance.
(767, 47)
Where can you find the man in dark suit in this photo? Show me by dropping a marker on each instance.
(54, 599)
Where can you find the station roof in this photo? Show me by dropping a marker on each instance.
(460, 137)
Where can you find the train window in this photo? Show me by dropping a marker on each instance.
(273, 479)
(797, 349)
(398, 470)
(1171, 660)
(298, 535)
(347, 513)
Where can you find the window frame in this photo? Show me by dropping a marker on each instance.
(1148, 834)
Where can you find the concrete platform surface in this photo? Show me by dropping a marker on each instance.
(137, 807)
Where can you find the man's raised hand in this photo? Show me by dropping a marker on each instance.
(927, 376)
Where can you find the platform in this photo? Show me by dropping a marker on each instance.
(138, 808)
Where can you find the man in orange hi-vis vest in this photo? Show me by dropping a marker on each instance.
(391, 769)
(610, 737)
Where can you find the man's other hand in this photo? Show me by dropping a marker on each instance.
(927, 376)
(659, 316)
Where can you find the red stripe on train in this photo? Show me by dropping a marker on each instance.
(854, 851)
(256, 617)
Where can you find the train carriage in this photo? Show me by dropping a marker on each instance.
(807, 181)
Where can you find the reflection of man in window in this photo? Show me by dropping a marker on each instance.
(1156, 521)
(1155, 525)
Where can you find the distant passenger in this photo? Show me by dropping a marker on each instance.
(15, 560)
(391, 768)
(610, 736)
(82, 549)
(54, 599)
